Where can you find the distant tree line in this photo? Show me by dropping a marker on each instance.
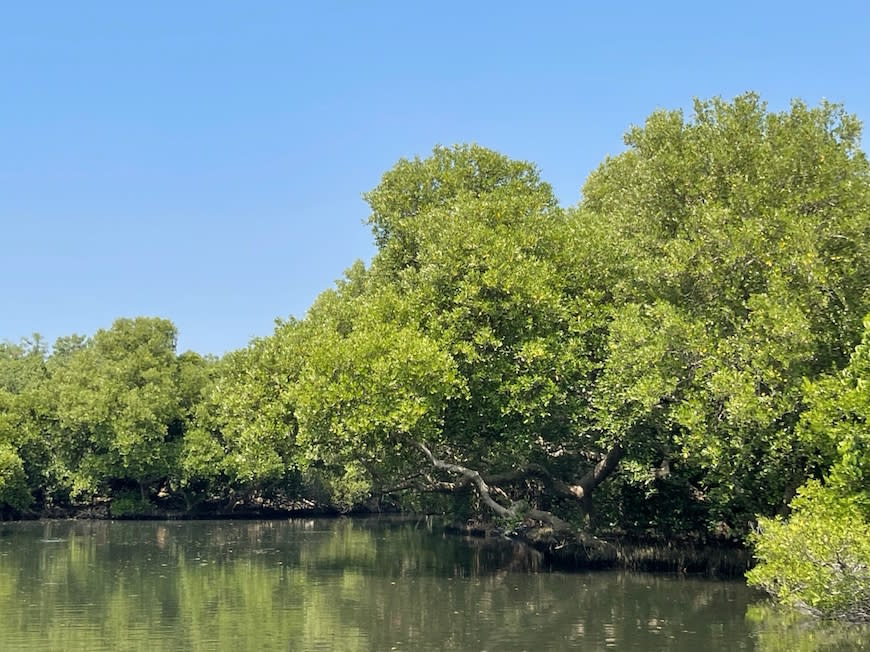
(683, 353)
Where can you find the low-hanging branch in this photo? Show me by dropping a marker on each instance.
(485, 491)
(472, 475)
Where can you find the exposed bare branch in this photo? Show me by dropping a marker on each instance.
(485, 491)
(472, 475)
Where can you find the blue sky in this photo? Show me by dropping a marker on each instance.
(205, 161)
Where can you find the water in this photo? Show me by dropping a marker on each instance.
(347, 585)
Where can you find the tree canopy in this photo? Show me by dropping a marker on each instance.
(730, 248)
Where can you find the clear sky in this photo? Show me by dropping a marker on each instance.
(205, 161)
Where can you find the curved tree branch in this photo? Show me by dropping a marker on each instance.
(472, 475)
(485, 491)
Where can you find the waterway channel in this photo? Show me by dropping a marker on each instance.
(353, 585)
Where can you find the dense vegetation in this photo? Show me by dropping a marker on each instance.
(678, 354)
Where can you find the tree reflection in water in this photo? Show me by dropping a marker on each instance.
(340, 585)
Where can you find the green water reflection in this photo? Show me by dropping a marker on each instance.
(344, 585)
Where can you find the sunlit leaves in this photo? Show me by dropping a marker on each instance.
(117, 399)
(363, 391)
(245, 426)
(416, 195)
(838, 418)
(819, 559)
(739, 221)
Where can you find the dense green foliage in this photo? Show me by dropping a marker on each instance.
(670, 356)
(99, 415)
(733, 251)
(819, 559)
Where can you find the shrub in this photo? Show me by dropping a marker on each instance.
(818, 560)
(129, 504)
(13, 480)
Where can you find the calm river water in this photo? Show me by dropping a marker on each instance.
(343, 584)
